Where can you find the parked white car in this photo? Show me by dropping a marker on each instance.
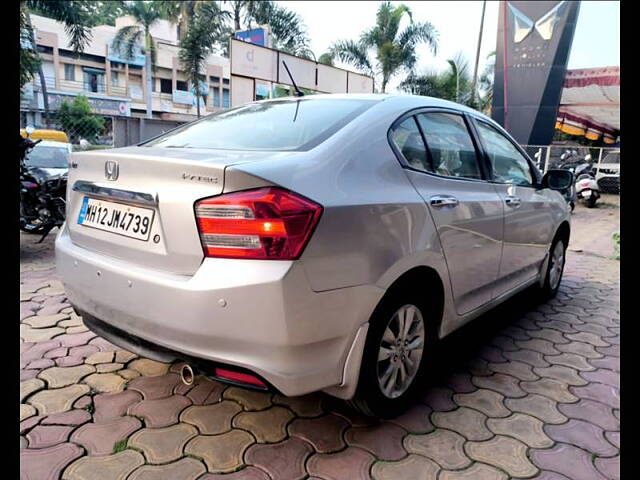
(50, 156)
(607, 172)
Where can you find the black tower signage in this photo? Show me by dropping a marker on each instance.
(534, 40)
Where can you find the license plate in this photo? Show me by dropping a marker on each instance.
(127, 220)
(586, 193)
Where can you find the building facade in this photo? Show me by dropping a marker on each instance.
(115, 85)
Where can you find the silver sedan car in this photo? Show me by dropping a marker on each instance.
(316, 243)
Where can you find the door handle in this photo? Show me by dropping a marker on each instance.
(513, 202)
(443, 201)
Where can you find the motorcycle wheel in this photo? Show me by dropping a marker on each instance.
(591, 201)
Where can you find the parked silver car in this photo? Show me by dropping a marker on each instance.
(316, 243)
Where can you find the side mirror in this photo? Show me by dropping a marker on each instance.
(557, 179)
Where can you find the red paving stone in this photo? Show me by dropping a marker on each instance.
(100, 438)
(334, 465)
(284, 460)
(110, 406)
(47, 463)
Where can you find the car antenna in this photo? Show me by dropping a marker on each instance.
(299, 93)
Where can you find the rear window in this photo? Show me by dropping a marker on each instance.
(611, 158)
(47, 157)
(279, 125)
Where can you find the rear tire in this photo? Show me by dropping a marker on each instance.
(591, 201)
(385, 394)
(555, 269)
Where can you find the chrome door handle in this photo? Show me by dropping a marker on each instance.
(443, 201)
(512, 202)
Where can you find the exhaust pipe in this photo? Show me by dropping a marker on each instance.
(186, 374)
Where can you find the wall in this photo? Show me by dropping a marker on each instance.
(130, 130)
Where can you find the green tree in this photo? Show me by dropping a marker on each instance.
(106, 12)
(486, 84)
(76, 19)
(288, 31)
(326, 59)
(394, 50)
(78, 120)
(452, 84)
(146, 14)
(204, 26)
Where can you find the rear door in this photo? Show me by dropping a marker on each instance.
(441, 161)
(528, 217)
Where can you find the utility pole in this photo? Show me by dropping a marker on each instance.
(475, 69)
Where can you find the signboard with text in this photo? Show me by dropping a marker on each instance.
(257, 36)
(534, 41)
(104, 106)
(252, 64)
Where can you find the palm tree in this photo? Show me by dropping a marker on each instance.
(288, 31)
(394, 50)
(204, 27)
(452, 84)
(146, 14)
(75, 17)
(486, 84)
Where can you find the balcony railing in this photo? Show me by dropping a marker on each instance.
(75, 86)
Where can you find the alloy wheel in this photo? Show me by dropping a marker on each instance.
(400, 351)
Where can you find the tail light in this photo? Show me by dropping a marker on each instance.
(266, 223)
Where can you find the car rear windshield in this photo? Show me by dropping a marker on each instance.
(47, 157)
(278, 125)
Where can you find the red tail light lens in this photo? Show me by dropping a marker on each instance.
(266, 223)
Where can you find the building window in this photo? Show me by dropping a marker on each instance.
(215, 79)
(114, 79)
(94, 80)
(225, 98)
(166, 85)
(225, 81)
(216, 97)
(182, 85)
(69, 72)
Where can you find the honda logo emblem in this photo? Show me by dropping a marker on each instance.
(111, 170)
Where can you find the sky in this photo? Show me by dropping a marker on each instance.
(596, 41)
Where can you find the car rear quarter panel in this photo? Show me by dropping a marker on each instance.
(375, 226)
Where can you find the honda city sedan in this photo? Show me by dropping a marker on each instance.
(319, 243)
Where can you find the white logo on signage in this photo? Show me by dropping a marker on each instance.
(523, 25)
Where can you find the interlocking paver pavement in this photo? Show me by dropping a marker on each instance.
(529, 391)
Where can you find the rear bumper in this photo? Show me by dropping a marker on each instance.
(258, 315)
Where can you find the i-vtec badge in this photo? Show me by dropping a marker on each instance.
(111, 170)
(199, 178)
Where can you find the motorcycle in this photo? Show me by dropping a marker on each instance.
(579, 166)
(587, 189)
(42, 196)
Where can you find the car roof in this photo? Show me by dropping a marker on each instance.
(406, 100)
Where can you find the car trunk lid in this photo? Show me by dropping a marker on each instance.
(165, 183)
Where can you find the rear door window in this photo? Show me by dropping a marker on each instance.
(451, 150)
(407, 138)
(278, 125)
